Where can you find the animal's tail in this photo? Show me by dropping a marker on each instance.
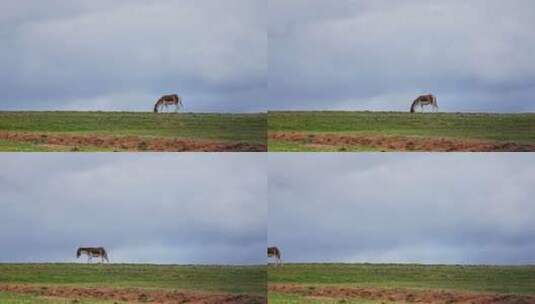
(78, 252)
(156, 107)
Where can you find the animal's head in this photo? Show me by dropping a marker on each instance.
(413, 105)
(156, 105)
(78, 252)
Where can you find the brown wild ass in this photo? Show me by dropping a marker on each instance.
(275, 252)
(166, 100)
(424, 100)
(93, 252)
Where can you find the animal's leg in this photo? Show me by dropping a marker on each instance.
(176, 108)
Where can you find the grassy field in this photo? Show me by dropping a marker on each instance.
(227, 128)
(14, 298)
(250, 280)
(279, 298)
(515, 280)
(495, 128)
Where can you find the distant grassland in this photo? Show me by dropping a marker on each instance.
(500, 279)
(233, 279)
(249, 280)
(307, 283)
(14, 298)
(243, 128)
(517, 128)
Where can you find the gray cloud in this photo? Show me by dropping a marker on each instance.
(316, 54)
(424, 208)
(376, 55)
(99, 55)
(164, 208)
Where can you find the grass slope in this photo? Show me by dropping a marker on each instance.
(498, 279)
(226, 279)
(246, 128)
(14, 298)
(519, 128)
(278, 298)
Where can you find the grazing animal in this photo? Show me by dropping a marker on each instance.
(93, 252)
(166, 100)
(274, 252)
(424, 100)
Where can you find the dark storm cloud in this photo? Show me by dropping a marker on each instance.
(379, 55)
(151, 208)
(424, 208)
(121, 55)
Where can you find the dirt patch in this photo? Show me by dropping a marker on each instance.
(401, 295)
(130, 295)
(130, 143)
(401, 143)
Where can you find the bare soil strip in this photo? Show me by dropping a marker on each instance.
(130, 143)
(130, 295)
(401, 143)
(401, 295)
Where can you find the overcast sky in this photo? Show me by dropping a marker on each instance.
(253, 55)
(421, 208)
(150, 208)
(380, 54)
(124, 54)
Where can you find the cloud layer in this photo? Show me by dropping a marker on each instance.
(379, 55)
(254, 55)
(149, 208)
(122, 55)
(421, 208)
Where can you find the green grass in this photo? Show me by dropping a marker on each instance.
(246, 128)
(279, 298)
(499, 279)
(14, 298)
(226, 279)
(285, 146)
(519, 128)
(14, 146)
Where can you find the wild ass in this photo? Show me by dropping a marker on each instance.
(166, 100)
(424, 100)
(93, 252)
(274, 252)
